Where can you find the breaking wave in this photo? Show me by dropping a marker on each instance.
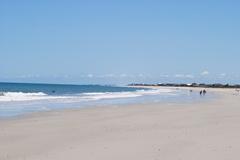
(21, 96)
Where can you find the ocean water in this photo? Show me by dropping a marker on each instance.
(23, 98)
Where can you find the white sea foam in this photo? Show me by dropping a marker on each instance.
(14, 94)
(20, 96)
(138, 93)
(15, 103)
(110, 95)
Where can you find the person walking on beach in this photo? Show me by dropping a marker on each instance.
(204, 92)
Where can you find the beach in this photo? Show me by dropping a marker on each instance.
(154, 131)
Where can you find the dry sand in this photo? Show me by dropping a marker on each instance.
(193, 131)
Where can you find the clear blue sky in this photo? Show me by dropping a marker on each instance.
(117, 42)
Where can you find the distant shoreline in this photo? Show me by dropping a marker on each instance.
(195, 85)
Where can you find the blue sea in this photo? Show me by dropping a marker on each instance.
(23, 98)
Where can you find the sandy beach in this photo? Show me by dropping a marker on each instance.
(160, 131)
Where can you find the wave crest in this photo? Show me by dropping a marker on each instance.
(21, 96)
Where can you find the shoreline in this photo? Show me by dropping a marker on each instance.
(205, 130)
(128, 104)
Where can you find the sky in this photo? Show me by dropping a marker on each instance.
(119, 42)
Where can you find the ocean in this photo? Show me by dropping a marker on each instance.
(23, 98)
